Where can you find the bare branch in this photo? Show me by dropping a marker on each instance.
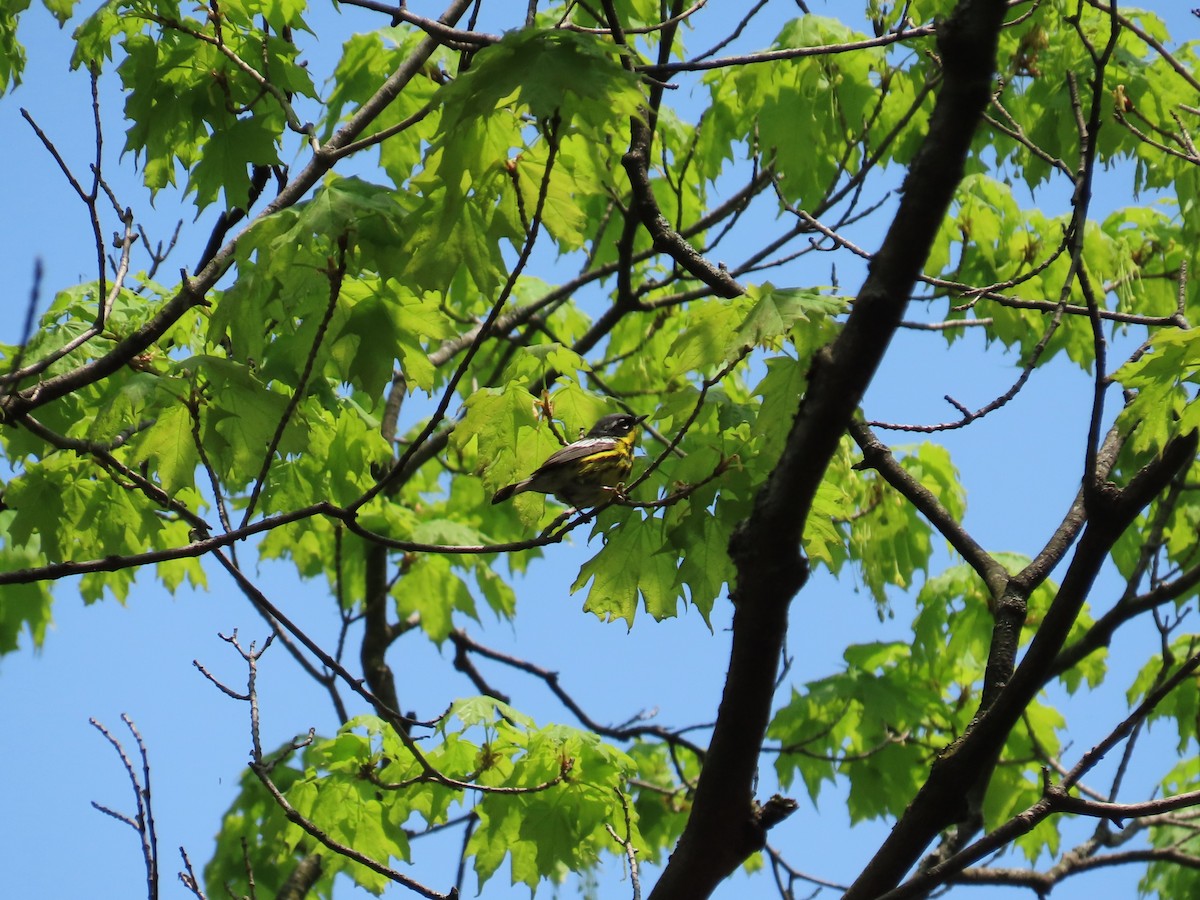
(465, 644)
(700, 64)
(630, 850)
(877, 456)
(143, 820)
(188, 877)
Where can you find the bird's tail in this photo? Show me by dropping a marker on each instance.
(506, 492)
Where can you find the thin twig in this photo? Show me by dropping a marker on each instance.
(143, 819)
(336, 274)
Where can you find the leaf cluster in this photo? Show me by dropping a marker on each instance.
(436, 261)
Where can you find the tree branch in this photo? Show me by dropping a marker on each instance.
(877, 456)
(723, 830)
(193, 290)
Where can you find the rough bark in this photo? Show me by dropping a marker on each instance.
(726, 825)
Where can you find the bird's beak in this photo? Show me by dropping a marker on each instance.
(640, 420)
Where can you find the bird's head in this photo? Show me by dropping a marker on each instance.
(617, 425)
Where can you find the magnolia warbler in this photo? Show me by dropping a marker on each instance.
(585, 472)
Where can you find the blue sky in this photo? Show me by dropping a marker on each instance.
(107, 659)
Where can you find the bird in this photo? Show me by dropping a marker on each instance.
(585, 472)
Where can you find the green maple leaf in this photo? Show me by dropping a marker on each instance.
(169, 446)
(632, 562)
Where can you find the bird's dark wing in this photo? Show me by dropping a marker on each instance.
(577, 450)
